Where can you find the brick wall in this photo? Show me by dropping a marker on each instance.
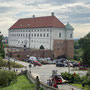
(69, 46)
(63, 47)
(58, 48)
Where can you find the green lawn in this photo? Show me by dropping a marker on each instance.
(22, 84)
(80, 86)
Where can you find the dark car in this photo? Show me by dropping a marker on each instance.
(83, 68)
(75, 65)
(59, 64)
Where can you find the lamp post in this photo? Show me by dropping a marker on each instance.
(9, 63)
(14, 64)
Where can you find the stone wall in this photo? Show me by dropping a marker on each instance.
(21, 55)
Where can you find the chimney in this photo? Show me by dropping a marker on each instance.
(52, 14)
(33, 16)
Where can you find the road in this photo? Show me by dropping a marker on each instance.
(45, 71)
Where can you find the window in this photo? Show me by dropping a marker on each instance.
(61, 44)
(47, 35)
(71, 35)
(60, 35)
(37, 35)
(40, 35)
(44, 35)
(57, 44)
(29, 35)
(32, 35)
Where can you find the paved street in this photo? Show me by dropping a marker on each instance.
(45, 71)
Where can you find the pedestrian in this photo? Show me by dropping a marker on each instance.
(37, 83)
(55, 85)
(50, 82)
(47, 82)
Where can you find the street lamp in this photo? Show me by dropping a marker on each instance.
(9, 63)
(14, 64)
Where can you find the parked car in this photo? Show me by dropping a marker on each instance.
(75, 64)
(71, 65)
(83, 68)
(37, 63)
(60, 64)
(51, 62)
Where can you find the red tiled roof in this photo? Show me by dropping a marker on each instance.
(48, 21)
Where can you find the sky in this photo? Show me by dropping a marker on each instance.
(76, 12)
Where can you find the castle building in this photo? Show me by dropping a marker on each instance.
(47, 31)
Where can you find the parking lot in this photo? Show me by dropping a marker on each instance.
(45, 71)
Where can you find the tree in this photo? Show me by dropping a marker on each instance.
(77, 50)
(2, 52)
(85, 45)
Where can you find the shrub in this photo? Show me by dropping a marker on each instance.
(85, 80)
(4, 63)
(71, 77)
(6, 77)
(77, 78)
(67, 76)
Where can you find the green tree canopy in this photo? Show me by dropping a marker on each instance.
(2, 52)
(85, 45)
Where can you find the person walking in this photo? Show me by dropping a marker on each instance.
(55, 85)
